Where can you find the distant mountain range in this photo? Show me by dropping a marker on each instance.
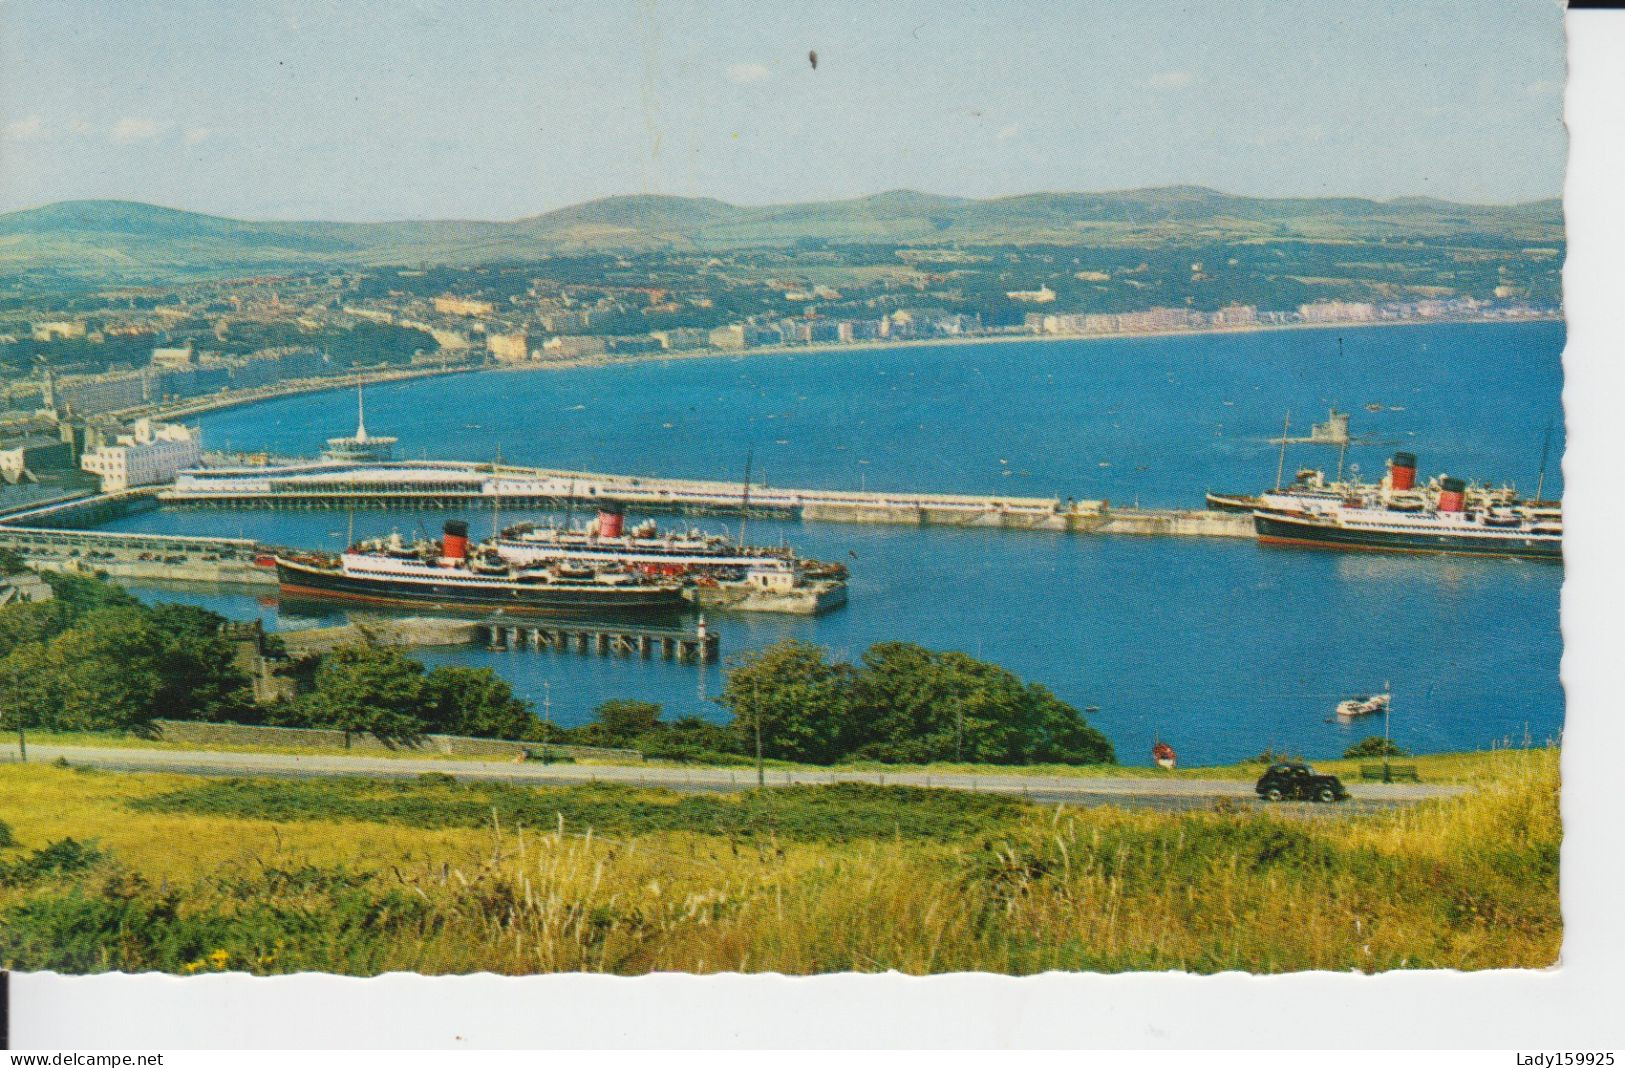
(130, 240)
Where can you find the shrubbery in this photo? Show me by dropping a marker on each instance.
(901, 704)
(1373, 746)
(96, 659)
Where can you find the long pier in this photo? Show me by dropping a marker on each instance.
(61, 534)
(452, 485)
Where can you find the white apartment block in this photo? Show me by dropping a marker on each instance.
(155, 452)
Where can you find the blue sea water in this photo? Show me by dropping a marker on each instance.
(1221, 647)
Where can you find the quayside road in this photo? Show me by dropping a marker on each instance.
(1050, 789)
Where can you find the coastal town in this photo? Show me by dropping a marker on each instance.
(83, 360)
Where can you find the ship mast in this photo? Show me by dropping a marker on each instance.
(1545, 449)
(496, 493)
(744, 500)
(1280, 467)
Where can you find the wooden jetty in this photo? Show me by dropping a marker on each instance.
(698, 646)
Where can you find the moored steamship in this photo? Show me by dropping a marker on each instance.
(447, 574)
(1446, 516)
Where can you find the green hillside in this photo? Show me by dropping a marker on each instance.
(119, 239)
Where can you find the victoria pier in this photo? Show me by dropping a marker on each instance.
(446, 484)
(64, 533)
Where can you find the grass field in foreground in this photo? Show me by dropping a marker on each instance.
(110, 871)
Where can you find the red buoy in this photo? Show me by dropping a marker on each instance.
(454, 544)
(1402, 471)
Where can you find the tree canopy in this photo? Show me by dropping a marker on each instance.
(902, 704)
(474, 702)
(801, 702)
(117, 666)
(368, 689)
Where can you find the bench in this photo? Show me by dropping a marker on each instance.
(1395, 771)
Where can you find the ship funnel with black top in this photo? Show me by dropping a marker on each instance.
(611, 518)
(1402, 471)
(1452, 495)
(454, 543)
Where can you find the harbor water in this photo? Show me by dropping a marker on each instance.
(1224, 648)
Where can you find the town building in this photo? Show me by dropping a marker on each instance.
(28, 458)
(509, 348)
(174, 359)
(58, 329)
(1337, 311)
(153, 453)
(682, 338)
(91, 394)
(450, 305)
(568, 347)
(566, 321)
(728, 337)
(1236, 315)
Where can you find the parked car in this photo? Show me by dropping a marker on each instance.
(1299, 782)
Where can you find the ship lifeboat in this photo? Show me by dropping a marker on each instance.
(1164, 756)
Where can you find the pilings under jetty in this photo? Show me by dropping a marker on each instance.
(698, 646)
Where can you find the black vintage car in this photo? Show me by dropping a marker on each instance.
(1299, 782)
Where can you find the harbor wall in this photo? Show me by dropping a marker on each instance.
(141, 557)
(811, 600)
(1198, 523)
(412, 632)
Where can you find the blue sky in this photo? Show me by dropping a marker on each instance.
(505, 108)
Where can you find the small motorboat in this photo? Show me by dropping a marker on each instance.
(1163, 755)
(1363, 706)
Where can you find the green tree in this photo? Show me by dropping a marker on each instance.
(1374, 746)
(27, 687)
(474, 702)
(104, 673)
(11, 561)
(691, 738)
(79, 594)
(620, 722)
(32, 621)
(801, 703)
(201, 677)
(365, 689)
(913, 705)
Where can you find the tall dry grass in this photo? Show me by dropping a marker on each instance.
(1469, 882)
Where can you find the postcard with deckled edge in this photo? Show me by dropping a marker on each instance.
(625, 489)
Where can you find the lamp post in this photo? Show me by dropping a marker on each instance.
(1387, 746)
(756, 708)
(22, 740)
(547, 720)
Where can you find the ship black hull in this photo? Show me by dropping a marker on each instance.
(608, 602)
(1286, 530)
